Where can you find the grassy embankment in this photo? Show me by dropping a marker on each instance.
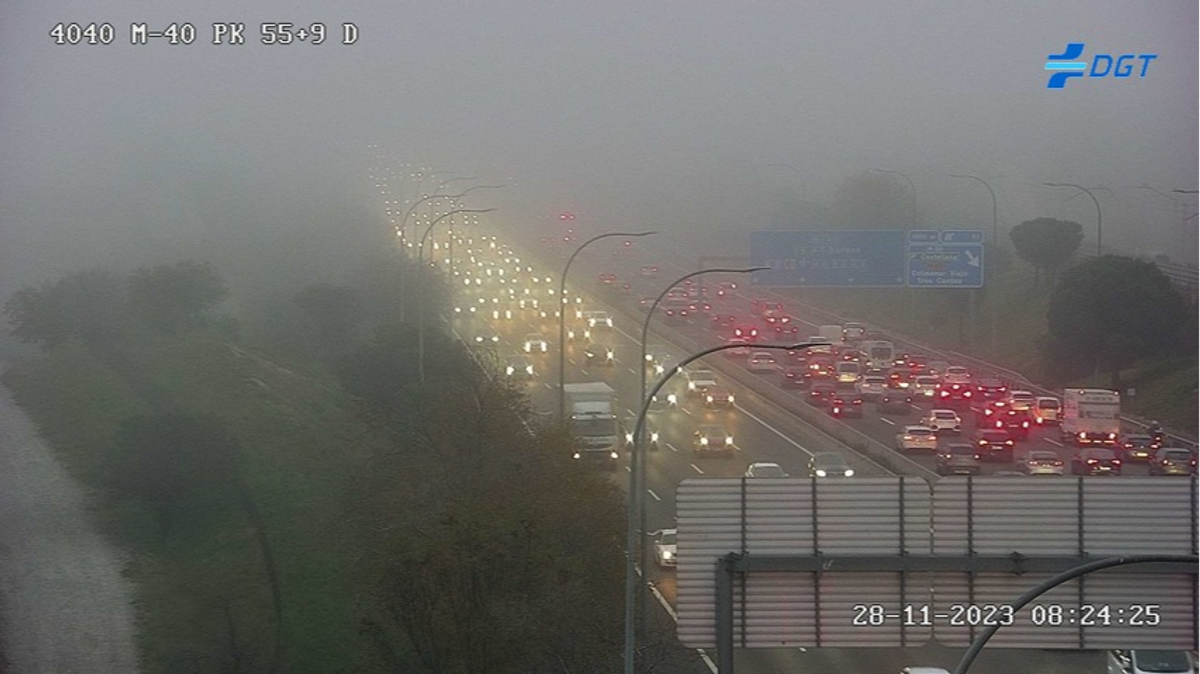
(201, 594)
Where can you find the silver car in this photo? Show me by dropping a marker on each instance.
(664, 547)
(944, 421)
(915, 438)
(1041, 462)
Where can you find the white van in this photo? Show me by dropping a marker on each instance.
(1141, 661)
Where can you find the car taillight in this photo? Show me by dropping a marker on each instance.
(1116, 462)
(1092, 461)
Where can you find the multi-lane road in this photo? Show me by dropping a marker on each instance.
(767, 421)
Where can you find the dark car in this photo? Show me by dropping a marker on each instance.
(1015, 422)
(841, 405)
(954, 394)
(894, 402)
(994, 445)
(957, 458)
(793, 376)
(1173, 461)
(829, 464)
(990, 388)
(1096, 461)
(1139, 447)
(820, 393)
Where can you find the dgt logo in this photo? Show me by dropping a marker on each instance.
(1066, 67)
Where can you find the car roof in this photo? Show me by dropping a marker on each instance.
(1021, 393)
(944, 413)
(1042, 452)
(917, 429)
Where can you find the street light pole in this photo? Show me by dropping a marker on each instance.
(631, 532)
(421, 283)
(1099, 215)
(911, 188)
(799, 177)
(562, 315)
(995, 243)
(637, 462)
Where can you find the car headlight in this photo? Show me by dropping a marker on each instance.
(529, 370)
(667, 554)
(629, 438)
(709, 399)
(849, 472)
(691, 386)
(728, 441)
(509, 370)
(820, 472)
(614, 455)
(654, 436)
(730, 398)
(672, 399)
(704, 441)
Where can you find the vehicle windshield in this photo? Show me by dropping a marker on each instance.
(1172, 662)
(667, 538)
(591, 427)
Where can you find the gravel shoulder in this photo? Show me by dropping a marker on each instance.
(65, 607)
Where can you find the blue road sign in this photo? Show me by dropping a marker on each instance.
(960, 236)
(945, 266)
(838, 259)
(924, 236)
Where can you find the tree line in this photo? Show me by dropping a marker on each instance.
(484, 547)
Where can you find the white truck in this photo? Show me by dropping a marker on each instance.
(595, 423)
(1091, 416)
(831, 332)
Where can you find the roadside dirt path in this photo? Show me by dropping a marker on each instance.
(65, 608)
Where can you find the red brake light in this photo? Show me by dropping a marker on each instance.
(1117, 461)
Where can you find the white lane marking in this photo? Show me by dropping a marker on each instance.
(887, 421)
(547, 385)
(686, 411)
(773, 429)
(712, 666)
(628, 469)
(631, 370)
(697, 469)
(651, 493)
(1054, 442)
(673, 448)
(663, 600)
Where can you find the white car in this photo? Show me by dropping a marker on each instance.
(764, 469)
(1021, 400)
(944, 421)
(1147, 661)
(917, 437)
(924, 387)
(664, 547)
(956, 374)
(535, 343)
(871, 386)
(762, 361)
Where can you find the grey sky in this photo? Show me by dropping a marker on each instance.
(610, 104)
